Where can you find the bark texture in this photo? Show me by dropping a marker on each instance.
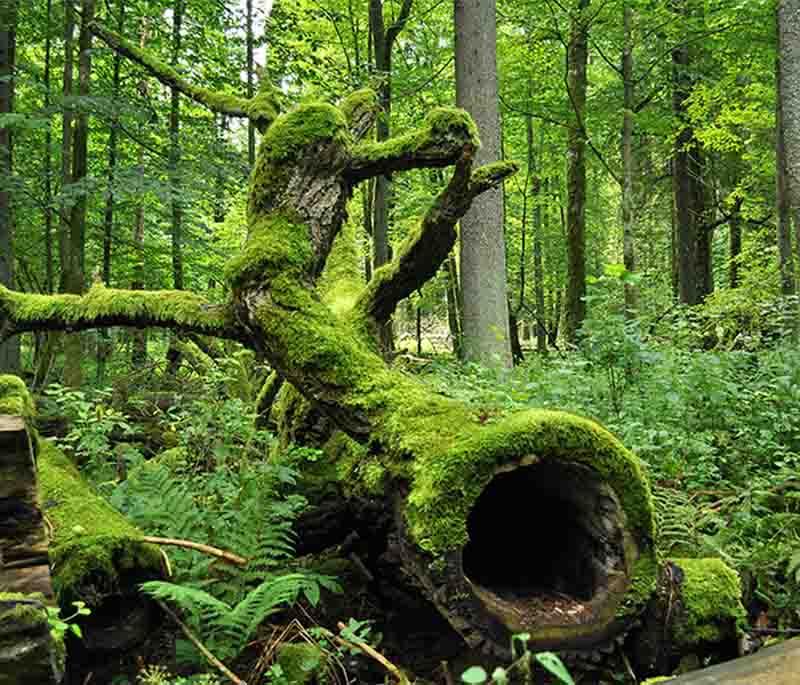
(577, 60)
(789, 56)
(9, 350)
(483, 257)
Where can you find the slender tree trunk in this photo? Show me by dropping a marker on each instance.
(48, 157)
(75, 280)
(629, 251)
(175, 155)
(735, 237)
(577, 62)
(66, 141)
(173, 355)
(538, 273)
(783, 192)
(139, 347)
(383, 40)
(703, 199)
(483, 258)
(453, 309)
(104, 343)
(685, 225)
(367, 192)
(219, 200)
(10, 349)
(789, 56)
(251, 129)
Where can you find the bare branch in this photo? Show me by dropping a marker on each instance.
(103, 307)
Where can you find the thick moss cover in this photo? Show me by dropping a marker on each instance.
(711, 597)
(302, 663)
(15, 399)
(93, 545)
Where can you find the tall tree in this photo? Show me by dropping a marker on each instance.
(577, 83)
(784, 223)
(483, 256)
(103, 347)
(175, 152)
(250, 47)
(9, 350)
(789, 57)
(629, 103)
(383, 40)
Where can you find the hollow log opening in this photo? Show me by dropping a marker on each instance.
(546, 545)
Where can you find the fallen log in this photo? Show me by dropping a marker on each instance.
(97, 557)
(777, 665)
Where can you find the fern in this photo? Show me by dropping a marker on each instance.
(228, 629)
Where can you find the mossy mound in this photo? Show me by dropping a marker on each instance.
(15, 400)
(711, 610)
(95, 551)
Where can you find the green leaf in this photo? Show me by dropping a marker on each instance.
(550, 662)
(474, 675)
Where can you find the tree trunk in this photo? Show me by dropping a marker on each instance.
(9, 350)
(383, 40)
(629, 251)
(251, 129)
(75, 248)
(783, 192)
(104, 342)
(685, 228)
(538, 273)
(735, 236)
(139, 342)
(483, 258)
(789, 57)
(453, 309)
(48, 156)
(577, 59)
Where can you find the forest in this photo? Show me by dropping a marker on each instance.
(399, 341)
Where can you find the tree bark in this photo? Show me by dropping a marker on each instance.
(250, 46)
(104, 342)
(9, 350)
(789, 57)
(629, 103)
(787, 193)
(48, 157)
(735, 239)
(538, 274)
(383, 40)
(483, 258)
(453, 309)
(577, 62)
(683, 186)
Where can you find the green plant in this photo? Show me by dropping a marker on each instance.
(522, 662)
(60, 626)
(158, 675)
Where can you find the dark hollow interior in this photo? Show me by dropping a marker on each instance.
(544, 530)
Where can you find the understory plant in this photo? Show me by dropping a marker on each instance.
(522, 667)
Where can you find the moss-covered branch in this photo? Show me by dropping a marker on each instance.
(103, 307)
(262, 109)
(426, 249)
(446, 134)
(361, 109)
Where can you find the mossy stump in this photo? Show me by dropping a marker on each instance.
(28, 653)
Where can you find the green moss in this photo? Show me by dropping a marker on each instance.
(24, 611)
(359, 101)
(305, 125)
(440, 124)
(658, 679)
(302, 663)
(15, 400)
(711, 602)
(264, 255)
(92, 544)
(105, 303)
(448, 482)
(644, 581)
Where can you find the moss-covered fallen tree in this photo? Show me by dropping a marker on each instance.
(463, 499)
